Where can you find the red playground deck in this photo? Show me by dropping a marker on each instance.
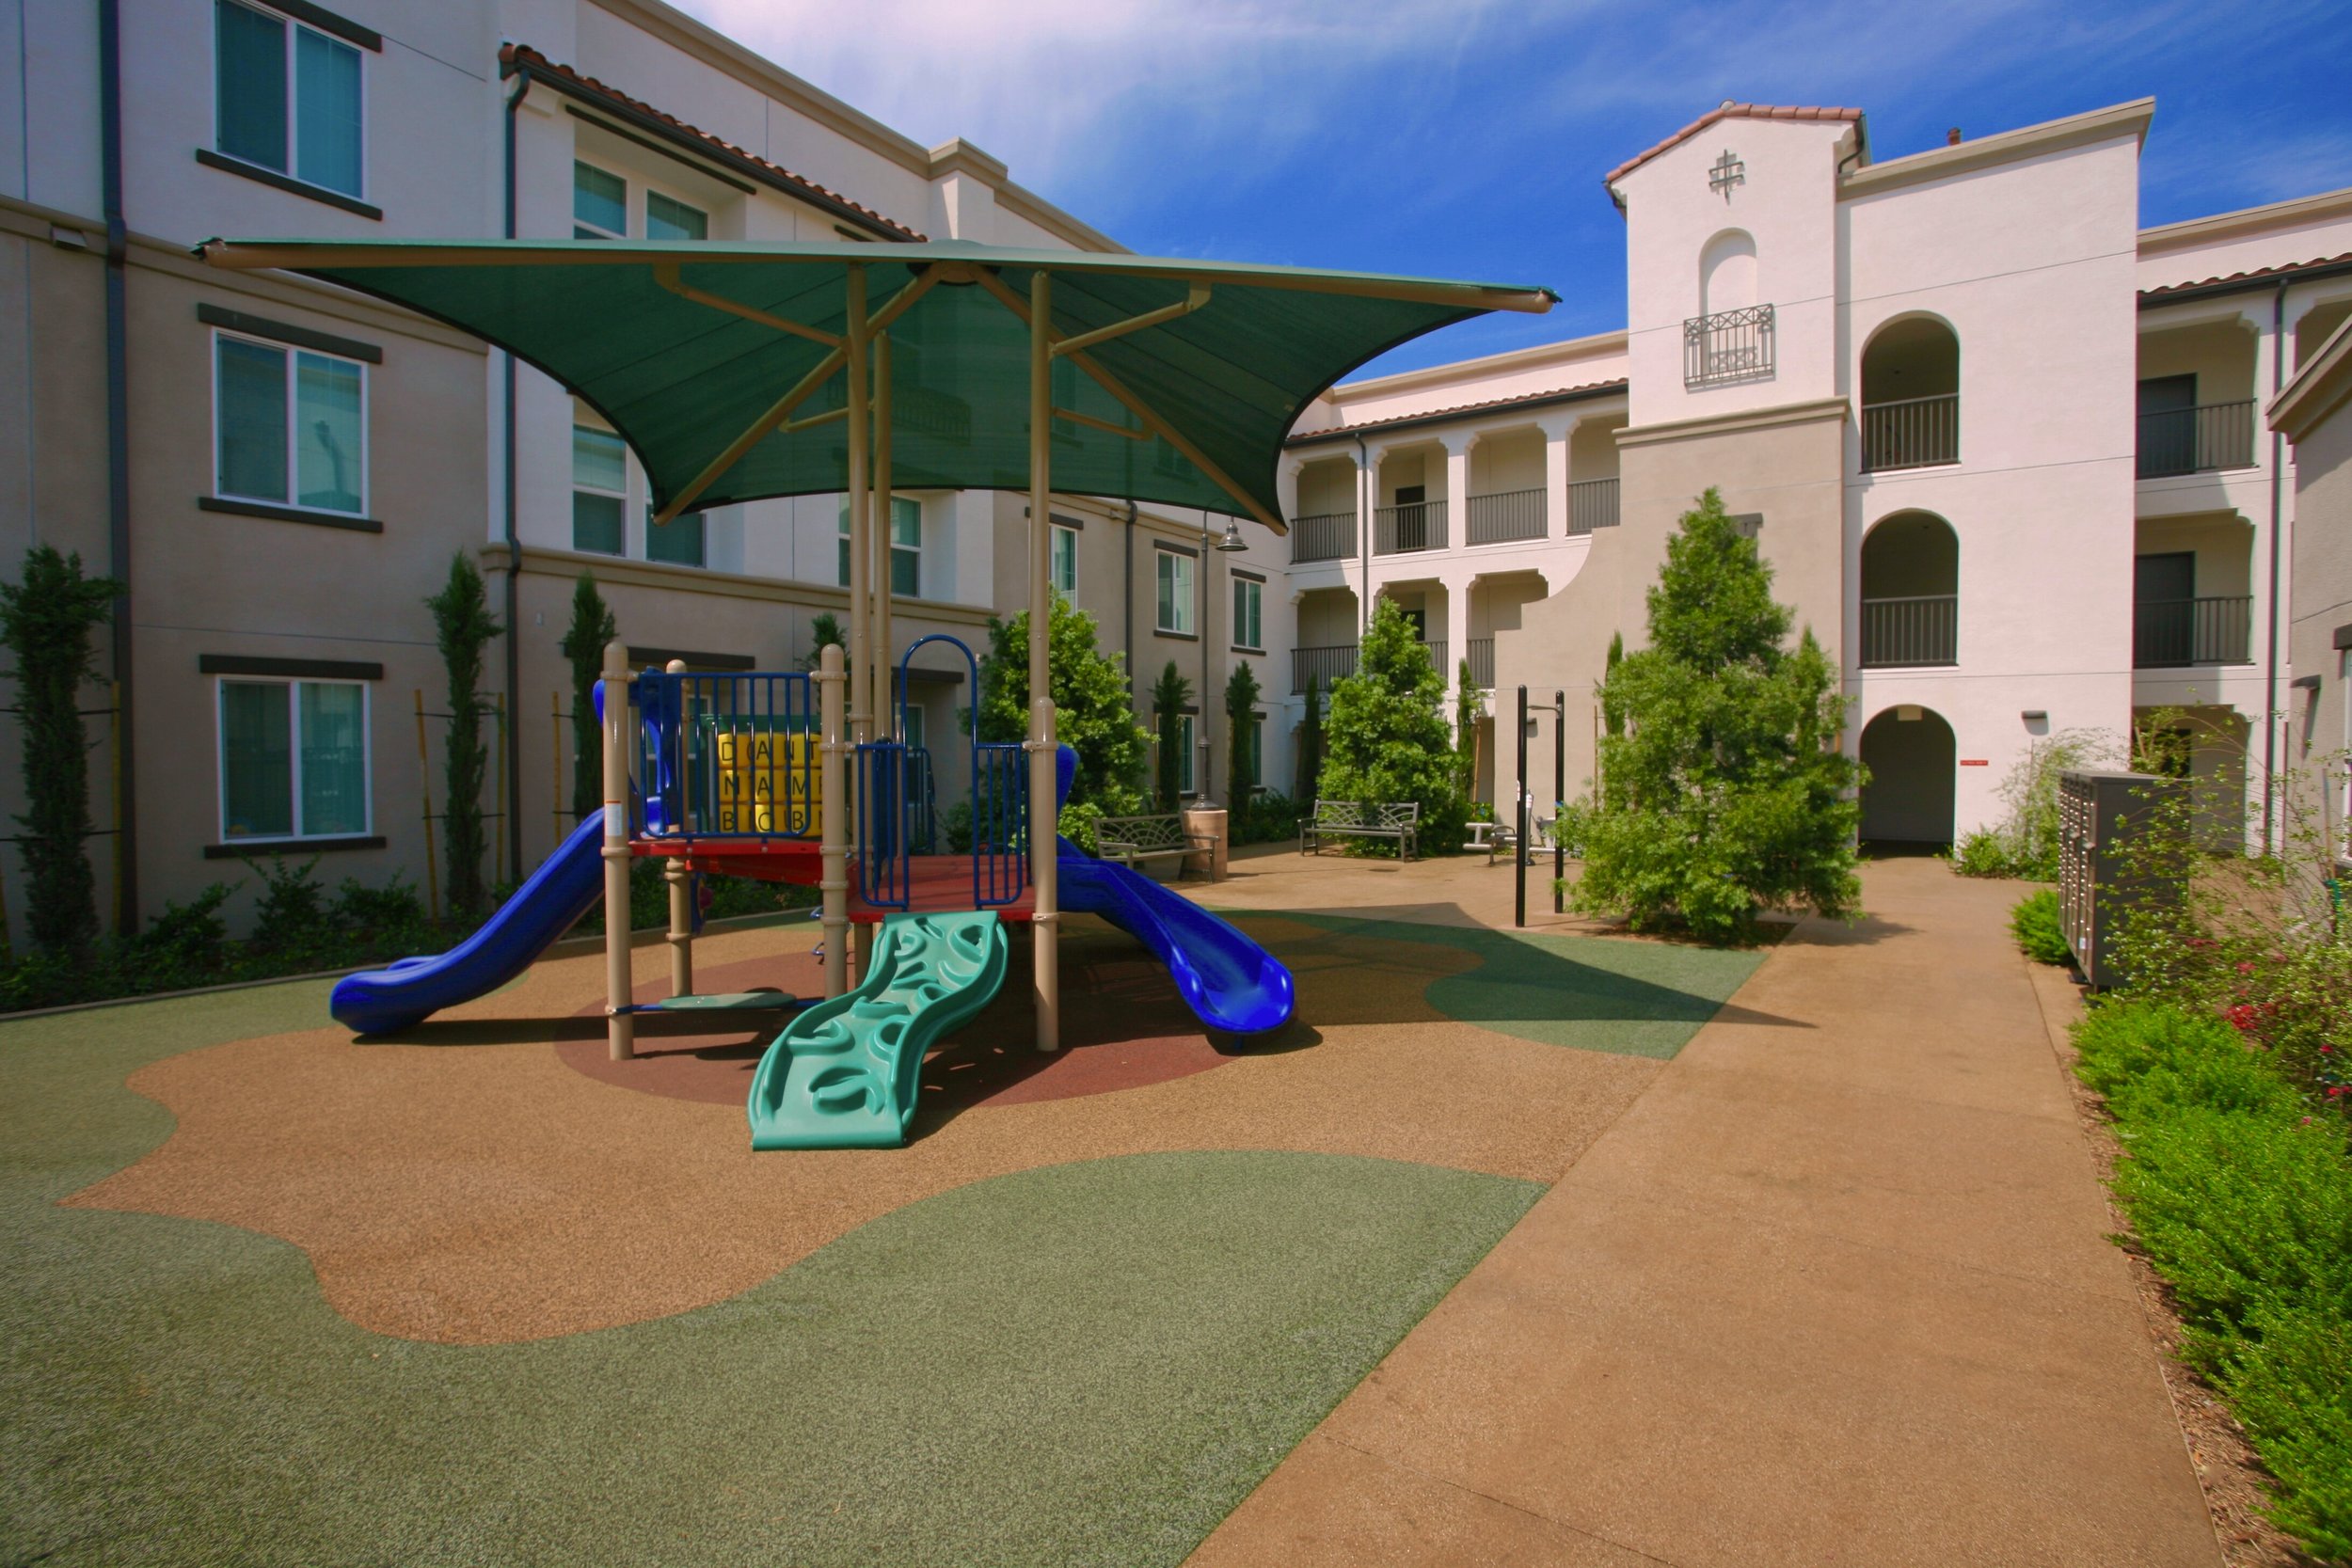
(937, 884)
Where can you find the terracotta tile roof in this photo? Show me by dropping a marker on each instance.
(2285, 269)
(1428, 415)
(1726, 111)
(518, 56)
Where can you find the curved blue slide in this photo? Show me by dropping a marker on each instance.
(1229, 981)
(565, 888)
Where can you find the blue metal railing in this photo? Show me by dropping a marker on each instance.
(1000, 824)
(729, 756)
(884, 862)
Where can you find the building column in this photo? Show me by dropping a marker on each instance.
(1457, 451)
(1286, 487)
(1557, 428)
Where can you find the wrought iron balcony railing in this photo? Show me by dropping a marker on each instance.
(1510, 514)
(1482, 663)
(1322, 665)
(1915, 630)
(1322, 537)
(1910, 432)
(1592, 504)
(1414, 526)
(2172, 633)
(2203, 439)
(1728, 347)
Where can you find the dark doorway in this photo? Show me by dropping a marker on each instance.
(1912, 762)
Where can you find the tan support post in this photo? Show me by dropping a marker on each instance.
(675, 872)
(833, 813)
(885, 556)
(1044, 842)
(861, 520)
(619, 988)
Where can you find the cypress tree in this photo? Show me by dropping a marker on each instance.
(1387, 735)
(1311, 742)
(1170, 694)
(462, 625)
(1241, 761)
(592, 627)
(45, 622)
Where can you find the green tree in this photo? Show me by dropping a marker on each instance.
(592, 627)
(1093, 715)
(1387, 735)
(1727, 792)
(824, 632)
(1241, 730)
(1467, 709)
(464, 626)
(1311, 742)
(1170, 694)
(1612, 714)
(45, 623)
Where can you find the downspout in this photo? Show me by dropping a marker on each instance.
(1127, 608)
(513, 803)
(119, 461)
(2278, 510)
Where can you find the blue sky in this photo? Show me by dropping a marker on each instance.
(1467, 138)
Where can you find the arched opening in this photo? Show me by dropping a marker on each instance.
(1909, 592)
(1912, 761)
(1728, 273)
(1910, 395)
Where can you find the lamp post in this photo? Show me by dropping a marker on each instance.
(1231, 542)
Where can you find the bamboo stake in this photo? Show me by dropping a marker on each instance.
(425, 795)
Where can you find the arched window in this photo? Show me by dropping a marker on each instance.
(1910, 395)
(1728, 273)
(1909, 592)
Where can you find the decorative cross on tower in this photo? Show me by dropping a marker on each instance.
(1727, 172)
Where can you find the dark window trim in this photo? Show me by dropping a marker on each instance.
(1176, 549)
(1245, 648)
(2343, 637)
(1179, 636)
(641, 656)
(227, 164)
(327, 22)
(1063, 519)
(293, 669)
(279, 848)
(699, 166)
(1240, 575)
(286, 332)
(288, 514)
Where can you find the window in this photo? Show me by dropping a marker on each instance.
(1065, 562)
(667, 218)
(906, 546)
(288, 426)
(679, 541)
(293, 760)
(599, 204)
(1186, 755)
(286, 97)
(599, 491)
(1175, 597)
(1248, 604)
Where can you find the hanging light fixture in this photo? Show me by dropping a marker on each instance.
(1233, 540)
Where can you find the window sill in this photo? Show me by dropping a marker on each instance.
(1245, 648)
(1181, 636)
(244, 849)
(288, 514)
(287, 182)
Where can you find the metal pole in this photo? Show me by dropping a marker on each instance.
(619, 988)
(860, 536)
(834, 812)
(886, 556)
(673, 870)
(1560, 798)
(1518, 835)
(1044, 840)
(424, 797)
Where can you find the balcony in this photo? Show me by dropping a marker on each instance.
(2201, 440)
(2171, 634)
(1482, 663)
(1910, 432)
(1732, 346)
(1322, 665)
(1402, 529)
(1898, 633)
(1592, 504)
(1509, 515)
(1323, 537)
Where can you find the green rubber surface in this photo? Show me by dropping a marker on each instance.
(1079, 1365)
(845, 1074)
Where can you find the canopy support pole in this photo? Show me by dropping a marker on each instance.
(885, 558)
(1044, 836)
(620, 736)
(861, 541)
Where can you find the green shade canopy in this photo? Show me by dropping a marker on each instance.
(686, 347)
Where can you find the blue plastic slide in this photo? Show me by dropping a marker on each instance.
(558, 894)
(1228, 980)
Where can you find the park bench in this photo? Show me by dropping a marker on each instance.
(1392, 819)
(1132, 839)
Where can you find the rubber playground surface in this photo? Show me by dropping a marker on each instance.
(476, 1294)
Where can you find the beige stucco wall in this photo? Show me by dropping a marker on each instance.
(2321, 629)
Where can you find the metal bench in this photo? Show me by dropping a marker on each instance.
(1392, 819)
(1132, 839)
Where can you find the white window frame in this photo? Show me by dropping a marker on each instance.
(913, 551)
(577, 221)
(1183, 602)
(294, 757)
(293, 103)
(1253, 590)
(622, 495)
(645, 207)
(293, 463)
(1064, 545)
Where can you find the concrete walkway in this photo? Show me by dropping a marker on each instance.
(1833, 1290)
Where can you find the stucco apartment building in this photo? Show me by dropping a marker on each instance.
(2001, 444)
(296, 465)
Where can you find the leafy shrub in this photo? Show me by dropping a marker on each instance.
(1093, 715)
(1267, 817)
(291, 916)
(1572, 829)
(1385, 738)
(1984, 853)
(2034, 923)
